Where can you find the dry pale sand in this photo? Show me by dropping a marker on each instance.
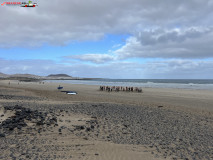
(196, 101)
(199, 102)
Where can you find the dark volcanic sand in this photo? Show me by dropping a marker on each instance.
(173, 134)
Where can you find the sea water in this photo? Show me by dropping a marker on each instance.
(206, 84)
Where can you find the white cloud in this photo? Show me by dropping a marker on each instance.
(95, 58)
(174, 43)
(116, 45)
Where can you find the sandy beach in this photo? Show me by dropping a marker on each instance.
(39, 122)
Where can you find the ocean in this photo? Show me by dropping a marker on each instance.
(206, 84)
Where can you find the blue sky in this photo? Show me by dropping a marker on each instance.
(106, 44)
(119, 39)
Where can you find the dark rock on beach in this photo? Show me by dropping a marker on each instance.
(22, 115)
(2, 135)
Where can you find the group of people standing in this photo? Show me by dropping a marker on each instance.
(120, 88)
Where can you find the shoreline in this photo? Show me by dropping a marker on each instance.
(145, 84)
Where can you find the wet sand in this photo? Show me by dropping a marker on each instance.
(155, 124)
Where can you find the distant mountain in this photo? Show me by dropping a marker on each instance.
(2, 75)
(25, 76)
(58, 75)
(32, 77)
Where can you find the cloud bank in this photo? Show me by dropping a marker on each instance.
(60, 22)
(150, 69)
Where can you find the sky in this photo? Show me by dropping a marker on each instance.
(137, 39)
